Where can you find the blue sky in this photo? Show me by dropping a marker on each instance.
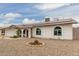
(23, 13)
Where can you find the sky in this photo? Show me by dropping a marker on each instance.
(26, 13)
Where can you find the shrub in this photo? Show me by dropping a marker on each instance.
(36, 42)
(18, 32)
(14, 36)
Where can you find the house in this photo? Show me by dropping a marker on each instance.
(57, 29)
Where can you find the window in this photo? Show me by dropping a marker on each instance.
(47, 19)
(3, 32)
(38, 31)
(58, 31)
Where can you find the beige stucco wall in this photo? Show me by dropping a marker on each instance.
(48, 32)
(10, 32)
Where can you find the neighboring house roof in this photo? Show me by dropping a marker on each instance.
(49, 23)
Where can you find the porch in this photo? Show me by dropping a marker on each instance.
(25, 33)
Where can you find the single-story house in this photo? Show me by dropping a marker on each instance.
(58, 29)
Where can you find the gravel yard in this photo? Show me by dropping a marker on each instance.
(18, 47)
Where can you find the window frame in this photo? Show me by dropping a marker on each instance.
(57, 31)
(3, 32)
(47, 19)
(38, 31)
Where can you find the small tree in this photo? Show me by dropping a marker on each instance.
(18, 32)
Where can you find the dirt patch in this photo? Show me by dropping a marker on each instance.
(51, 47)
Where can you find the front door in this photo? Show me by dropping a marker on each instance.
(25, 33)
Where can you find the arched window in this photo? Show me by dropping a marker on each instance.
(38, 31)
(58, 31)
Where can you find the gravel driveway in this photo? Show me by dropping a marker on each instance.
(52, 47)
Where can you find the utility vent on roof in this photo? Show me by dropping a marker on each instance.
(56, 19)
(47, 19)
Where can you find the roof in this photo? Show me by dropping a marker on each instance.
(57, 22)
(50, 23)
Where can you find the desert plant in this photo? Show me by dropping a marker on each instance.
(18, 32)
(36, 42)
(14, 36)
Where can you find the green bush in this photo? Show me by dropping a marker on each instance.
(18, 32)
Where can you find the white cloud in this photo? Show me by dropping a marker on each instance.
(4, 25)
(10, 16)
(49, 6)
(29, 21)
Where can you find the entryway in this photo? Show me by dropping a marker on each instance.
(25, 33)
